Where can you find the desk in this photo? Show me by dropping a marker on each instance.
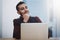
(58, 38)
(7, 39)
(17, 39)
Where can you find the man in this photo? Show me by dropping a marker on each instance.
(23, 11)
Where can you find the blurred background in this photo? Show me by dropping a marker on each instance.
(47, 10)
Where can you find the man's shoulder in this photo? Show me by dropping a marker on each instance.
(37, 19)
(16, 20)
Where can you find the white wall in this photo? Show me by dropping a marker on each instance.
(57, 15)
(57, 12)
(52, 17)
(55, 8)
(9, 13)
(0, 18)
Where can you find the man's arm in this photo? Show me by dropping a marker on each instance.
(16, 31)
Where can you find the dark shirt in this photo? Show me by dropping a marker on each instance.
(17, 25)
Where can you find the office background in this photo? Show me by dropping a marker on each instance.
(46, 10)
(0, 18)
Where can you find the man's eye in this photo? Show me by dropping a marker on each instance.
(22, 9)
(26, 7)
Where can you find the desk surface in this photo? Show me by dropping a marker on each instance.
(7, 39)
(18, 39)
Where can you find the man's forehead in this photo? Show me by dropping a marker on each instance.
(22, 5)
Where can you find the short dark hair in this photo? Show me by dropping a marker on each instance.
(21, 2)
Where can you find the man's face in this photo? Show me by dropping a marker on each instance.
(23, 9)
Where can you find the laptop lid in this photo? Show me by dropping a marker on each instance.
(34, 31)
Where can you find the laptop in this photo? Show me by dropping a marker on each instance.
(34, 31)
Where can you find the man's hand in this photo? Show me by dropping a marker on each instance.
(26, 17)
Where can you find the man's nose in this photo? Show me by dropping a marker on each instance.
(26, 9)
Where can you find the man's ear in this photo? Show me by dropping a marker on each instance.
(18, 13)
